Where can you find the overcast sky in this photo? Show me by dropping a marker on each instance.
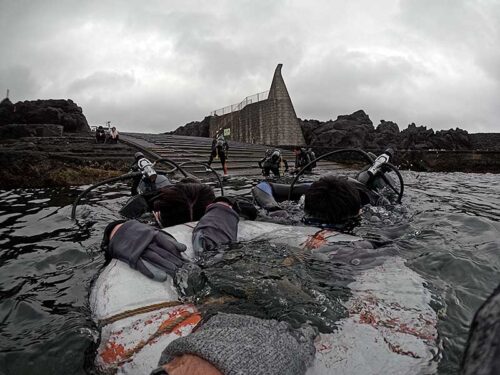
(156, 65)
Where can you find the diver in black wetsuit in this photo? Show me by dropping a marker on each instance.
(274, 162)
(302, 158)
(220, 149)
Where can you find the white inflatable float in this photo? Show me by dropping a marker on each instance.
(391, 328)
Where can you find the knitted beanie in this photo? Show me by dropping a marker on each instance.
(244, 345)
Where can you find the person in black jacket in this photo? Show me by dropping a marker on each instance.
(100, 135)
(220, 148)
(274, 162)
(302, 158)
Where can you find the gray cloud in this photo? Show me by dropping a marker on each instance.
(154, 66)
(108, 81)
(19, 78)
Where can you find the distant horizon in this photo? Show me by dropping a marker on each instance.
(156, 66)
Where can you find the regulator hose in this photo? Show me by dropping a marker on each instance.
(208, 167)
(365, 155)
(91, 187)
(177, 167)
(369, 159)
(400, 178)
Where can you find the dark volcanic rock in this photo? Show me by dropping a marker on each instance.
(195, 128)
(13, 131)
(346, 131)
(60, 161)
(416, 138)
(457, 139)
(386, 134)
(356, 130)
(52, 111)
(485, 141)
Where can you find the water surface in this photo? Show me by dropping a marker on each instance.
(447, 229)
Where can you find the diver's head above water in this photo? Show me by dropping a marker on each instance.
(332, 200)
(182, 203)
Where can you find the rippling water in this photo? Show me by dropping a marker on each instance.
(447, 229)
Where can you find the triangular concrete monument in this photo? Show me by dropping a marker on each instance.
(271, 121)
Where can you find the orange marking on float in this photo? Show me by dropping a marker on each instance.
(317, 240)
(193, 320)
(113, 352)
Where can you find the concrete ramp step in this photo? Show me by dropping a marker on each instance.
(243, 158)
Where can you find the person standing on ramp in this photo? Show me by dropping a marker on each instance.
(219, 150)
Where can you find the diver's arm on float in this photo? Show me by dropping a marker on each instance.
(218, 226)
(154, 253)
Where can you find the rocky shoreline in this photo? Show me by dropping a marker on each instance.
(418, 148)
(49, 143)
(61, 161)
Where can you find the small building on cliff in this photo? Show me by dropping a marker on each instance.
(264, 118)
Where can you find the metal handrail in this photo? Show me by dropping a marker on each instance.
(239, 106)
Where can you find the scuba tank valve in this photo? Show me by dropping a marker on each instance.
(146, 168)
(381, 160)
(366, 176)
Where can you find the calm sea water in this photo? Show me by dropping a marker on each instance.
(447, 229)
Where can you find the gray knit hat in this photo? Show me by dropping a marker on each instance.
(244, 345)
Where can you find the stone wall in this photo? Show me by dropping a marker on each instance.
(271, 122)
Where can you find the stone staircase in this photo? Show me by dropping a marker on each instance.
(242, 160)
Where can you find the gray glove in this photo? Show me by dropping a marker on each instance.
(241, 344)
(218, 226)
(154, 253)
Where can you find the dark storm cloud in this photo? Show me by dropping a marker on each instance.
(156, 65)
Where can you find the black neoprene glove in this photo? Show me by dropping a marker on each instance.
(218, 226)
(154, 253)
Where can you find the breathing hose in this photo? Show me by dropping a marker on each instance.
(177, 167)
(208, 167)
(365, 155)
(368, 158)
(91, 187)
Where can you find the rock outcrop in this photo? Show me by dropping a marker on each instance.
(357, 130)
(53, 111)
(60, 161)
(194, 128)
(12, 131)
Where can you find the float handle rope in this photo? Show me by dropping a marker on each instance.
(139, 310)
